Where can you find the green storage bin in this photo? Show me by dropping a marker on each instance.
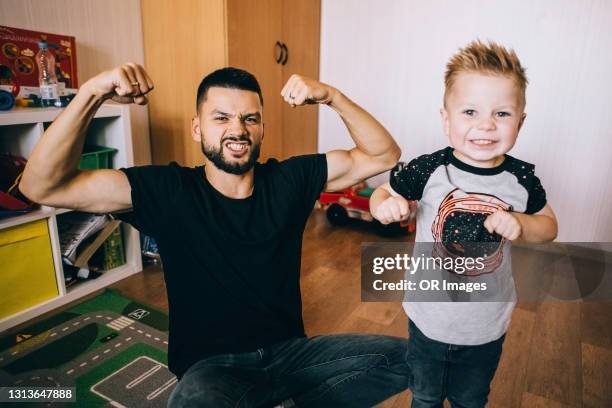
(96, 157)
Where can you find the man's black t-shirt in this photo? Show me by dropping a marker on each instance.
(231, 265)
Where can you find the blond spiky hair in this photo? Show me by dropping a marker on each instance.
(491, 59)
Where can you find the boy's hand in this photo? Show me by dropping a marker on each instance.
(127, 83)
(505, 224)
(393, 209)
(300, 90)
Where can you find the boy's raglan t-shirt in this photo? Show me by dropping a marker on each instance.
(454, 200)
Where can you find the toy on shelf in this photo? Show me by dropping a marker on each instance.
(18, 67)
(18, 47)
(354, 203)
(12, 202)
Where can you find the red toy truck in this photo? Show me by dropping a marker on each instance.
(354, 202)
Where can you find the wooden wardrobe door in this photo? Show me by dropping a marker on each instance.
(183, 41)
(253, 28)
(301, 34)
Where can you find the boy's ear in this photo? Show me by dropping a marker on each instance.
(195, 130)
(523, 116)
(445, 124)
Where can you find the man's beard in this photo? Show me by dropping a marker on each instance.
(216, 156)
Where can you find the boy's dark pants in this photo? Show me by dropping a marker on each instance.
(462, 374)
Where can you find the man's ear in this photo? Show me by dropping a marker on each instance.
(523, 116)
(445, 122)
(196, 133)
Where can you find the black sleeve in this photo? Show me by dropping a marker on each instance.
(308, 174)
(153, 191)
(525, 175)
(409, 180)
(537, 196)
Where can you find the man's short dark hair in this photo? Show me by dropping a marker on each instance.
(230, 77)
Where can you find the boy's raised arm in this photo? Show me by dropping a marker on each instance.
(388, 206)
(535, 228)
(538, 227)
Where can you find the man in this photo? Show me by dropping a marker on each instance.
(230, 235)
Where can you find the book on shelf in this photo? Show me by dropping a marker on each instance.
(111, 253)
(85, 267)
(84, 254)
(74, 228)
(81, 234)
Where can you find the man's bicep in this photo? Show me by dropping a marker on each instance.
(96, 191)
(346, 168)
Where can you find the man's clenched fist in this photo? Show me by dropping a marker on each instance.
(128, 83)
(300, 90)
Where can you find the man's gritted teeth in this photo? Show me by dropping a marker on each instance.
(237, 147)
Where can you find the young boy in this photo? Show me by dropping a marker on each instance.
(470, 192)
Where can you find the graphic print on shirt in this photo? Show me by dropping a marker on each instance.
(458, 230)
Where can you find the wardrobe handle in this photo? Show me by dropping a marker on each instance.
(286, 53)
(278, 52)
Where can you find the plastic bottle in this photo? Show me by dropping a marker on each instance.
(47, 80)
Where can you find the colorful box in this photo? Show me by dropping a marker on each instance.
(18, 48)
(26, 267)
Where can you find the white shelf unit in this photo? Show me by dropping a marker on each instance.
(20, 129)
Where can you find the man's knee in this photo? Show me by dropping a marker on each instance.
(209, 387)
(395, 351)
(201, 397)
(192, 391)
(392, 350)
(398, 350)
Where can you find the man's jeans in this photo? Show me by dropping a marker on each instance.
(323, 371)
(462, 374)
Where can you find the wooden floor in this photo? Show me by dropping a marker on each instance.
(556, 354)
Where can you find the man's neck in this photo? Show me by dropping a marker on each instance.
(230, 185)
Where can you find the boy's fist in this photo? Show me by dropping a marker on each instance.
(505, 224)
(127, 83)
(393, 209)
(300, 90)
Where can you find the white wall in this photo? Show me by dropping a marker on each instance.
(108, 33)
(390, 58)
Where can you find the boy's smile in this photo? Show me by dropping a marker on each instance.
(482, 117)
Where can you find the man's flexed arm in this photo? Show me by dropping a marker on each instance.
(375, 149)
(51, 176)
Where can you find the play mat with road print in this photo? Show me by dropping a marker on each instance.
(112, 349)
